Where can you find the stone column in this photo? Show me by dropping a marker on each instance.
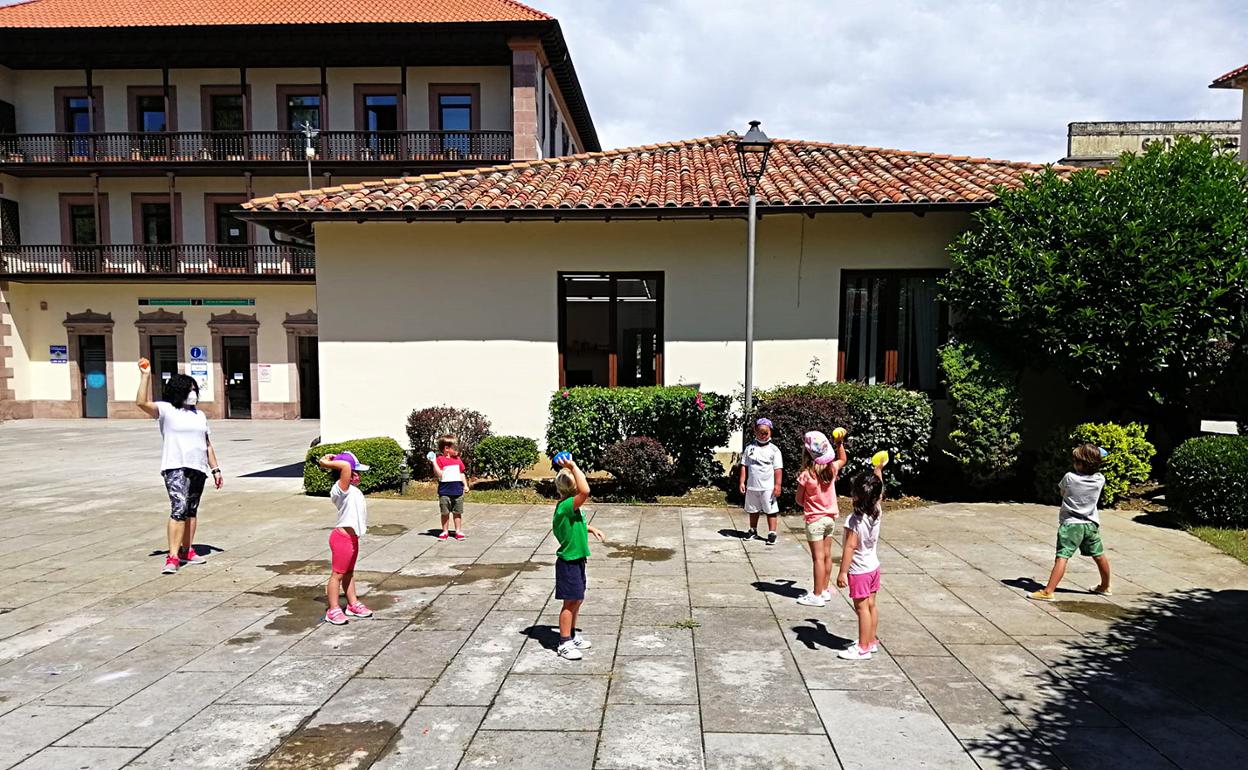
(525, 70)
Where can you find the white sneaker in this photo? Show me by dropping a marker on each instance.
(826, 595)
(581, 643)
(811, 600)
(854, 652)
(568, 651)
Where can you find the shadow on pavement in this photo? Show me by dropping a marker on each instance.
(292, 471)
(203, 549)
(785, 588)
(547, 636)
(740, 535)
(817, 635)
(1172, 671)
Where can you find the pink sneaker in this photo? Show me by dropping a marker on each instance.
(171, 565)
(443, 536)
(358, 610)
(336, 617)
(460, 536)
(192, 558)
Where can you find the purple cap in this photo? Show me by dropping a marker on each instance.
(762, 421)
(349, 457)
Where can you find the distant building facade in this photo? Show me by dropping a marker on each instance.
(1100, 143)
(1237, 79)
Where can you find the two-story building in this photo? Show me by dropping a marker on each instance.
(131, 131)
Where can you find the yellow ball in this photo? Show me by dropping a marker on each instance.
(839, 433)
(880, 458)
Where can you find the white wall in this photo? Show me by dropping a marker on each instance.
(415, 315)
(35, 328)
(34, 96)
(1243, 130)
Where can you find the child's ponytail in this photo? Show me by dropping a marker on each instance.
(868, 489)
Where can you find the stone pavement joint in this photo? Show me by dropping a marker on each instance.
(701, 657)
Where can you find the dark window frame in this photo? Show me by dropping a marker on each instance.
(65, 200)
(206, 94)
(438, 90)
(658, 276)
(891, 363)
(63, 93)
(283, 108)
(364, 90)
(132, 107)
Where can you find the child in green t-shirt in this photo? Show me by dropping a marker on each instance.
(570, 529)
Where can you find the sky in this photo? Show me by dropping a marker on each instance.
(970, 77)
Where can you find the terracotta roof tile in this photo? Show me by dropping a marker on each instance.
(1228, 80)
(180, 13)
(699, 173)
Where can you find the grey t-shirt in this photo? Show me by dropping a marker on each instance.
(1080, 494)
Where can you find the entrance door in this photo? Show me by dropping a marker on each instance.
(231, 237)
(94, 370)
(164, 348)
(309, 379)
(236, 360)
(156, 228)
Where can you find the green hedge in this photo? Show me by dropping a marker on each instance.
(506, 457)
(690, 425)
(1207, 480)
(383, 455)
(1129, 459)
(986, 413)
(881, 417)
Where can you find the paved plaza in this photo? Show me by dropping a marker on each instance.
(701, 658)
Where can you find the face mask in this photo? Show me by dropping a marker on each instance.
(192, 398)
(763, 441)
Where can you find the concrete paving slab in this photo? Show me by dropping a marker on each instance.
(548, 702)
(753, 689)
(531, 750)
(417, 654)
(296, 681)
(652, 680)
(748, 751)
(56, 758)
(969, 709)
(646, 737)
(35, 726)
(432, 738)
(649, 640)
(873, 729)
(224, 737)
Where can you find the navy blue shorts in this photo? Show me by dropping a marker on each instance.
(570, 579)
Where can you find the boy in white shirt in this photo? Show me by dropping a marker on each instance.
(344, 540)
(762, 467)
(1078, 522)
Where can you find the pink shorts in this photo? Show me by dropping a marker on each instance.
(343, 549)
(863, 585)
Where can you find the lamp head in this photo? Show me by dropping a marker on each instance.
(752, 151)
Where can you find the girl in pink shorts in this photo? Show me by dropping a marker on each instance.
(344, 541)
(860, 567)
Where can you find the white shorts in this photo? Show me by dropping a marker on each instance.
(760, 501)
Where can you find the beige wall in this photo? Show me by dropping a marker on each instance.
(34, 329)
(1243, 129)
(33, 93)
(416, 315)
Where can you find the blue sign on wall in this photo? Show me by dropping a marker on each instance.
(58, 354)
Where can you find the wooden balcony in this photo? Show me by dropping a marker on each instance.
(251, 149)
(174, 262)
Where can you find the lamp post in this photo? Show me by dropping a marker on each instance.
(752, 150)
(309, 152)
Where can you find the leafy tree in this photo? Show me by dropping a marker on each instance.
(1119, 279)
(985, 412)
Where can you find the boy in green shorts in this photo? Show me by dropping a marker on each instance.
(570, 529)
(1078, 523)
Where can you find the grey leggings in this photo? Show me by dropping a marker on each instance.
(185, 486)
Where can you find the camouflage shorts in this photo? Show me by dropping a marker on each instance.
(185, 486)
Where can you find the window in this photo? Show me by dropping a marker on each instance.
(552, 125)
(149, 113)
(380, 112)
(892, 322)
(77, 111)
(455, 112)
(82, 230)
(566, 140)
(225, 112)
(300, 109)
(610, 329)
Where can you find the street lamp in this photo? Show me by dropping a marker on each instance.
(752, 150)
(309, 152)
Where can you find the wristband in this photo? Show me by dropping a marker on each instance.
(215, 470)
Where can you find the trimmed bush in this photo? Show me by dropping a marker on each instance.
(1207, 480)
(1129, 459)
(639, 463)
(383, 455)
(791, 416)
(506, 457)
(882, 417)
(690, 425)
(986, 413)
(424, 426)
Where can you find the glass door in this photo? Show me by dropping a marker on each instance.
(236, 360)
(226, 123)
(93, 368)
(611, 329)
(156, 228)
(164, 358)
(231, 238)
(309, 378)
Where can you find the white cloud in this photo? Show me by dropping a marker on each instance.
(969, 77)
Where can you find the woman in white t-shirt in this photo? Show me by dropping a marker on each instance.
(186, 458)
